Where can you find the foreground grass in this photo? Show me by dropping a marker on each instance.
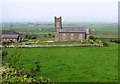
(72, 64)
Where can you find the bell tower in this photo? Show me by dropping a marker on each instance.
(58, 26)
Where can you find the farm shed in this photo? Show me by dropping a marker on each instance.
(10, 38)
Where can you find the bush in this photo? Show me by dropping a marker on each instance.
(91, 42)
(49, 35)
(11, 75)
(13, 60)
(6, 43)
(99, 41)
(27, 37)
(16, 73)
(115, 40)
(91, 37)
(105, 44)
(83, 42)
(4, 54)
(34, 37)
(35, 69)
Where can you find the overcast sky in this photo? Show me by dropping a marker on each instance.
(70, 10)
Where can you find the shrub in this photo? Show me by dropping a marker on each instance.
(35, 69)
(6, 43)
(27, 37)
(33, 37)
(105, 44)
(11, 75)
(91, 37)
(18, 74)
(83, 42)
(91, 42)
(49, 35)
(3, 43)
(4, 54)
(13, 60)
(99, 41)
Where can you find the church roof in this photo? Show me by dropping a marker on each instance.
(70, 29)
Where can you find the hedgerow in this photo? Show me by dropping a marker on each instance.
(14, 74)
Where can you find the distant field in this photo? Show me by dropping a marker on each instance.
(72, 64)
(41, 28)
(99, 27)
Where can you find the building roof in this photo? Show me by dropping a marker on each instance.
(10, 36)
(69, 29)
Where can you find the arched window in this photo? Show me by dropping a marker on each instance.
(80, 36)
(71, 36)
(64, 36)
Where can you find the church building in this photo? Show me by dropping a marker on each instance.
(69, 33)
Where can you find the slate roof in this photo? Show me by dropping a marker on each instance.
(70, 29)
(10, 36)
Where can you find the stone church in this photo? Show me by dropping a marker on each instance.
(69, 33)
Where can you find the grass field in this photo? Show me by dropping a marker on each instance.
(48, 27)
(72, 64)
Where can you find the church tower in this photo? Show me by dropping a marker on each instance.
(58, 26)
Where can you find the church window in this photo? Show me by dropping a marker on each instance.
(64, 36)
(80, 36)
(72, 36)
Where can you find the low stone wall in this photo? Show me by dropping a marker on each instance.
(59, 45)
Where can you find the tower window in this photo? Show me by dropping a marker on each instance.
(58, 24)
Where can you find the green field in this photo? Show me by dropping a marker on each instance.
(72, 64)
(48, 27)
